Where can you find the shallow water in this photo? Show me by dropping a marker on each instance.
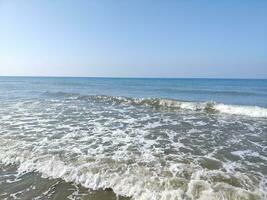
(32, 186)
(74, 143)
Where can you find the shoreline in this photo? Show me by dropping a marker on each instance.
(32, 185)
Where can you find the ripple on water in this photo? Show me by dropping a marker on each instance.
(135, 150)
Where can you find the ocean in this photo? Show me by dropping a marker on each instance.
(133, 138)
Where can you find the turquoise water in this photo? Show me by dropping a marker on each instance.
(128, 138)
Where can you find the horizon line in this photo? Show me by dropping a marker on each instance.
(126, 77)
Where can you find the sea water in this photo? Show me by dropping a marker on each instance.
(133, 138)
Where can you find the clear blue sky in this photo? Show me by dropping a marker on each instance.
(151, 38)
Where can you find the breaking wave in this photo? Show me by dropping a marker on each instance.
(129, 146)
(135, 182)
(210, 107)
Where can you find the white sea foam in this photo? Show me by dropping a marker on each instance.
(135, 181)
(133, 185)
(137, 152)
(251, 111)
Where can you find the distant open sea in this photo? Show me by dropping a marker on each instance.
(133, 138)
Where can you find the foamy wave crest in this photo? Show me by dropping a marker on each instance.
(252, 111)
(138, 182)
(210, 107)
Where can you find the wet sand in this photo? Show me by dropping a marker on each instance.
(32, 186)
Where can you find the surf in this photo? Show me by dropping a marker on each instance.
(209, 107)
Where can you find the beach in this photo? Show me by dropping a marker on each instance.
(127, 138)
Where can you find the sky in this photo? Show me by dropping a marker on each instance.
(134, 38)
